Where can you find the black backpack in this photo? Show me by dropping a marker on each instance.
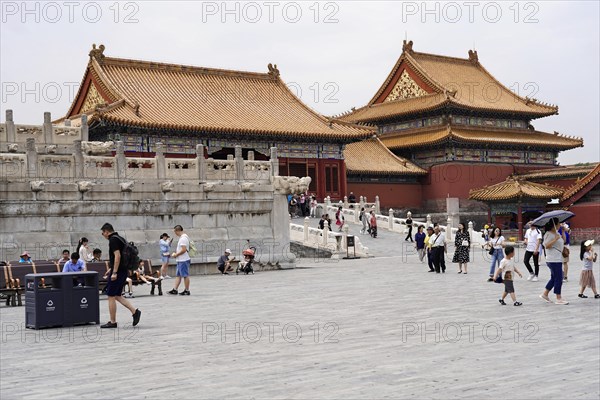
(129, 255)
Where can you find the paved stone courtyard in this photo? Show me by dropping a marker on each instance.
(376, 328)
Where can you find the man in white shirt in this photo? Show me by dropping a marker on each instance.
(183, 261)
(533, 240)
(438, 247)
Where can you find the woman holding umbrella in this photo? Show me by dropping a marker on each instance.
(553, 245)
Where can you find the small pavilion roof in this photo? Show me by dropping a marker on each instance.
(513, 189)
(582, 186)
(567, 171)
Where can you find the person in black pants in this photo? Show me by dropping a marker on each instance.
(438, 246)
(409, 224)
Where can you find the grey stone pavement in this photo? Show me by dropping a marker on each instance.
(354, 329)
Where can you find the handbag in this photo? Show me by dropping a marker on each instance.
(565, 252)
(465, 242)
(499, 279)
(491, 252)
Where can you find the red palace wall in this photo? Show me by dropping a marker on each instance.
(587, 215)
(391, 195)
(456, 179)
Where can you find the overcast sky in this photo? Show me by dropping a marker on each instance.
(334, 55)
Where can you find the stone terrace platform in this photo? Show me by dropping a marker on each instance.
(369, 328)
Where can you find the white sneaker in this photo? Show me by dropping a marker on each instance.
(530, 277)
(545, 298)
(534, 279)
(561, 302)
(166, 277)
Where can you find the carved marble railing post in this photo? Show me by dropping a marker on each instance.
(391, 219)
(239, 164)
(325, 232)
(345, 201)
(121, 161)
(470, 229)
(85, 132)
(274, 162)
(449, 228)
(200, 163)
(67, 122)
(32, 158)
(250, 155)
(47, 128)
(328, 202)
(78, 156)
(161, 166)
(346, 230)
(306, 221)
(429, 223)
(377, 205)
(10, 127)
(362, 202)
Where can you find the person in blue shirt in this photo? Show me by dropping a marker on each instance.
(74, 264)
(25, 258)
(165, 252)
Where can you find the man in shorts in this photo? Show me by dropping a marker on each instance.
(223, 264)
(116, 275)
(183, 261)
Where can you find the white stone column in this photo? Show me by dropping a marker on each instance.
(280, 220)
(161, 167)
(121, 161)
(11, 132)
(306, 221)
(325, 232)
(391, 219)
(449, 228)
(200, 163)
(377, 205)
(47, 128)
(85, 129)
(345, 201)
(346, 229)
(78, 156)
(429, 223)
(239, 164)
(32, 158)
(274, 162)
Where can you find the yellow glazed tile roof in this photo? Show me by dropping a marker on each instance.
(581, 183)
(568, 171)
(370, 156)
(513, 188)
(463, 83)
(177, 97)
(429, 136)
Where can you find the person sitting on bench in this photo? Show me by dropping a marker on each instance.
(97, 255)
(141, 276)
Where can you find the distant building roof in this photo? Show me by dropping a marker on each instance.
(513, 188)
(420, 137)
(421, 82)
(371, 157)
(567, 171)
(177, 97)
(581, 187)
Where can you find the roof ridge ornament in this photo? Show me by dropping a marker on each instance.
(273, 71)
(473, 57)
(97, 53)
(407, 46)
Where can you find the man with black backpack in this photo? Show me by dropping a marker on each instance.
(121, 254)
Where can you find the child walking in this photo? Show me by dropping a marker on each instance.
(507, 266)
(587, 279)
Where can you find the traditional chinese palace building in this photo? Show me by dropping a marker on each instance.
(450, 117)
(437, 127)
(143, 103)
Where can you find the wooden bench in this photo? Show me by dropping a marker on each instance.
(6, 289)
(101, 267)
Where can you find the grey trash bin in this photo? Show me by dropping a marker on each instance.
(83, 300)
(61, 299)
(45, 300)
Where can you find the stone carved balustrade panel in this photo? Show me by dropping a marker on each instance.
(181, 169)
(13, 167)
(23, 132)
(98, 167)
(3, 133)
(65, 134)
(257, 170)
(55, 167)
(220, 169)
